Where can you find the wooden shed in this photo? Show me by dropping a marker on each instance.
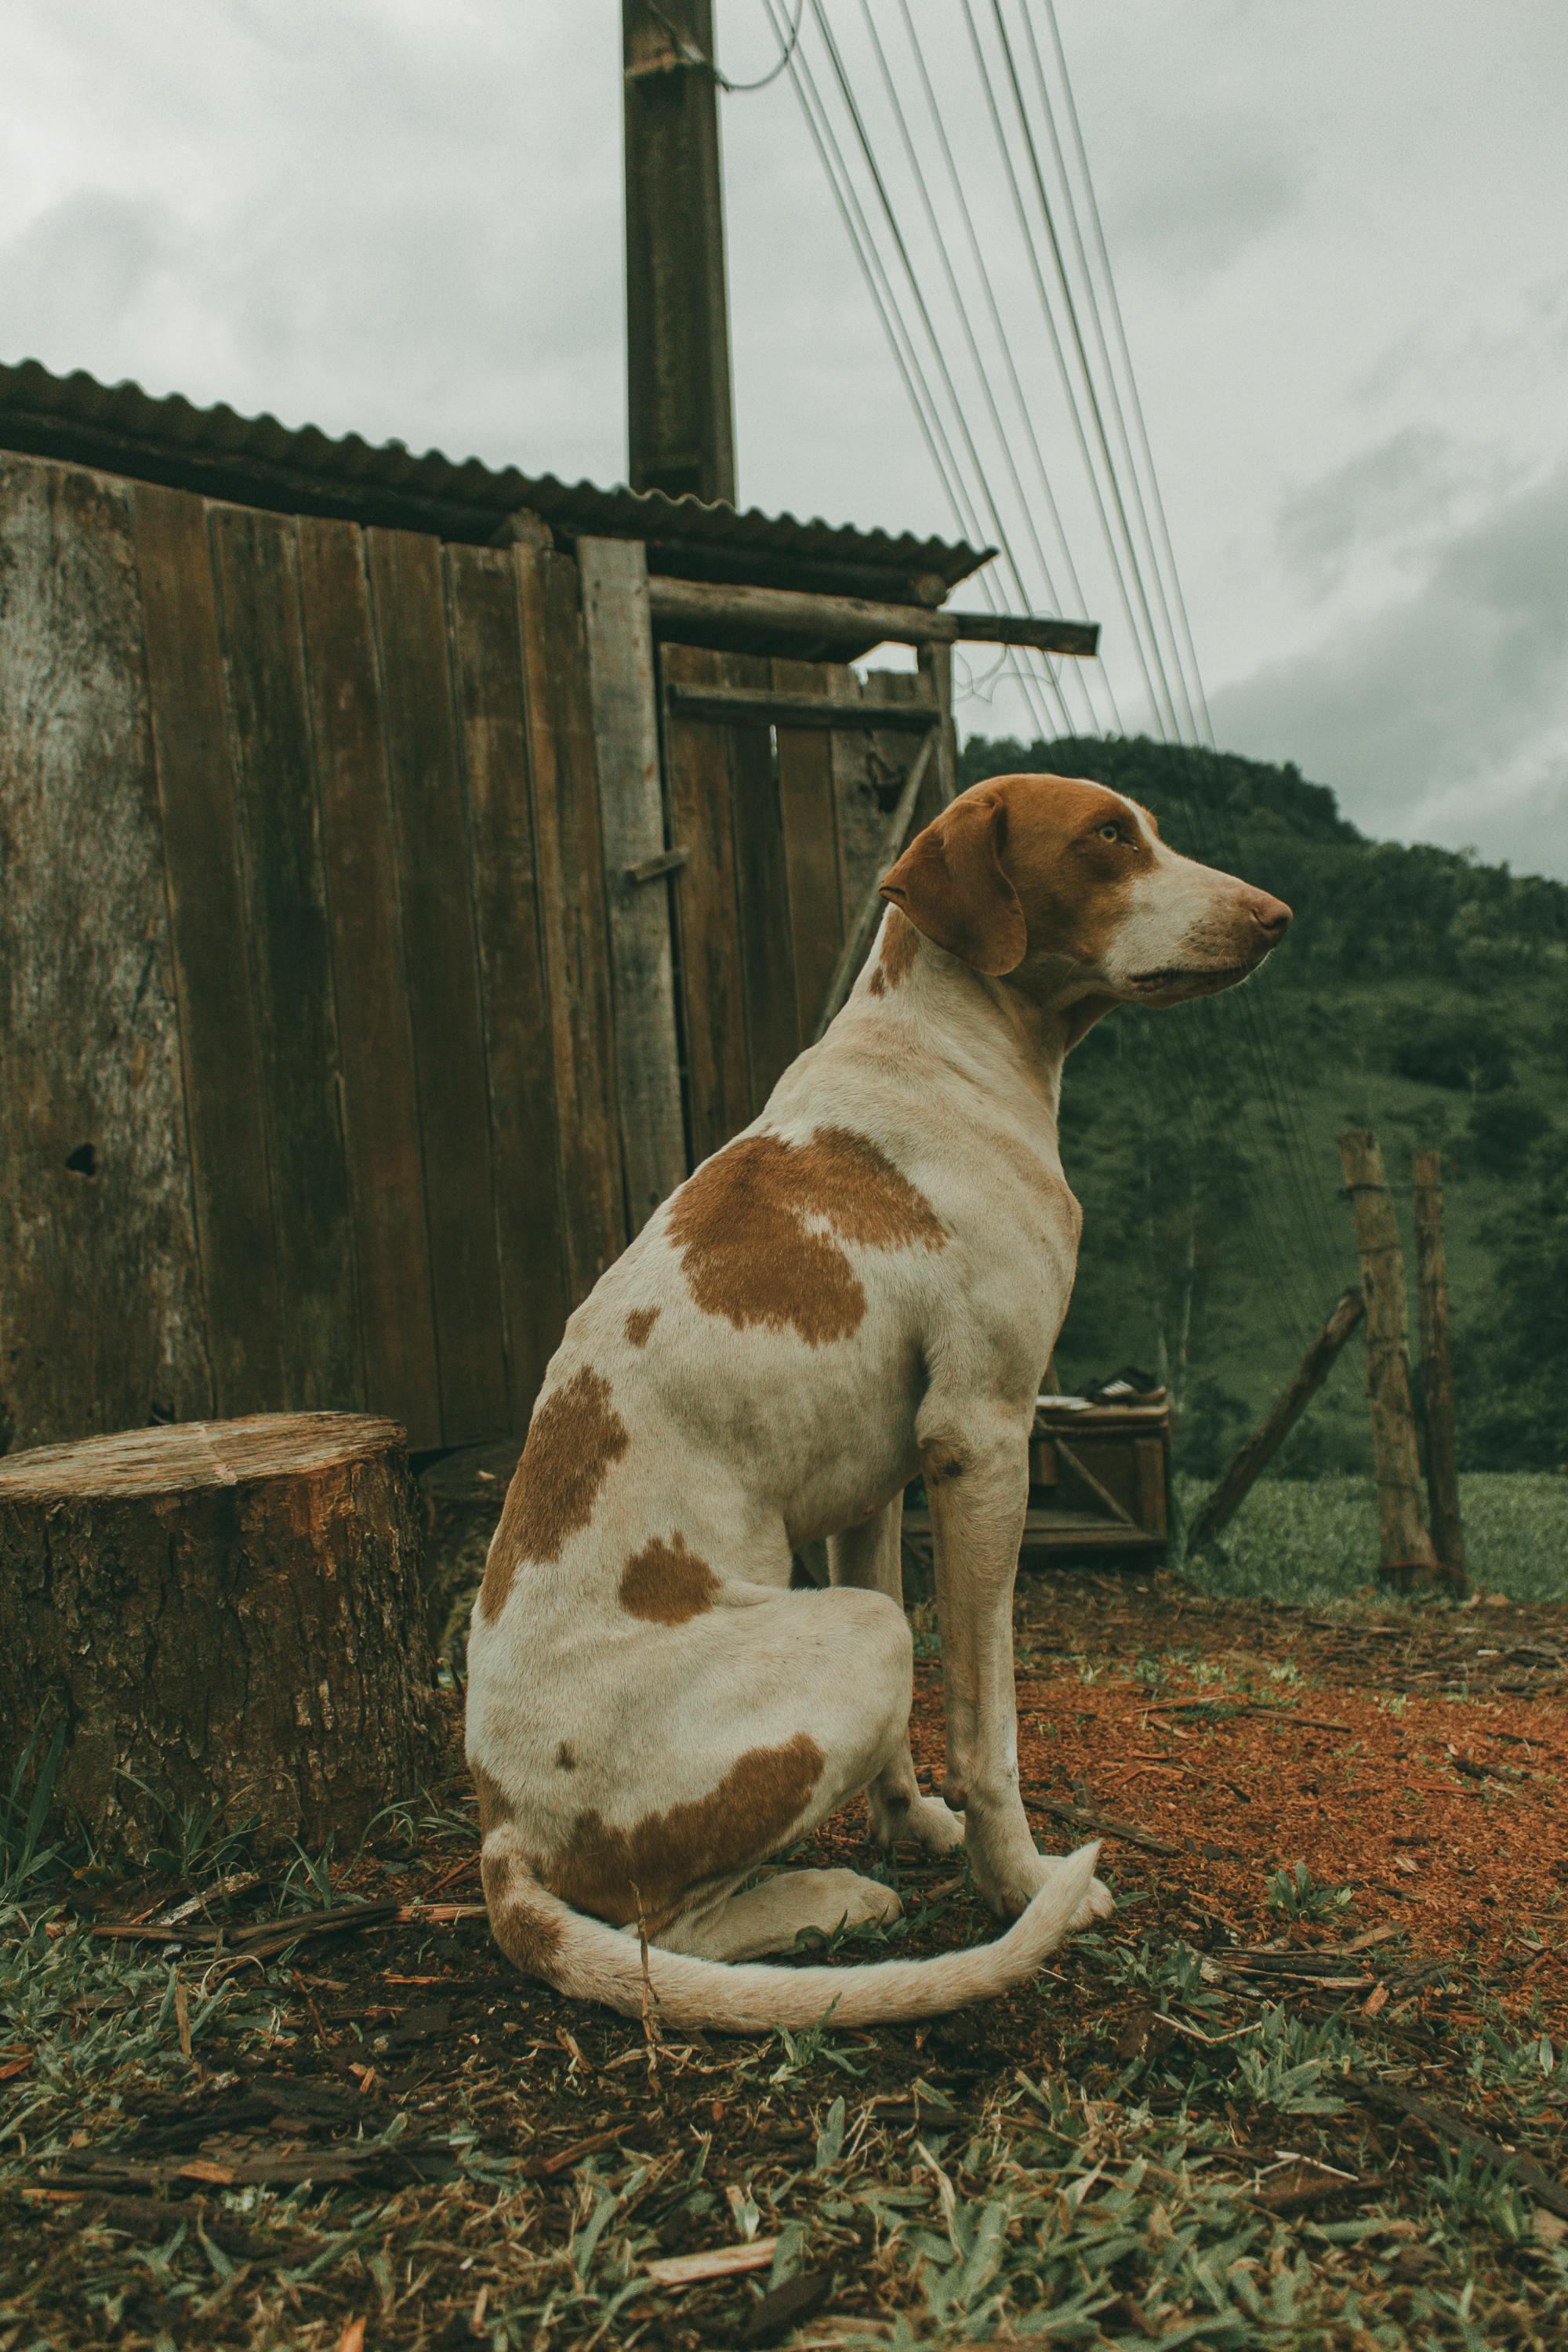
(411, 870)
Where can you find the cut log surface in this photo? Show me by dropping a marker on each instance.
(222, 1614)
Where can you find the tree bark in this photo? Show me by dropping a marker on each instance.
(1220, 1507)
(224, 1616)
(1406, 1547)
(1437, 1371)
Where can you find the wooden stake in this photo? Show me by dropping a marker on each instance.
(1437, 1371)
(1219, 1507)
(1406, 1547)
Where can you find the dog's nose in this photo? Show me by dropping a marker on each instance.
(1272, 916)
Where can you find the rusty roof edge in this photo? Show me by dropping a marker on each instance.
(77, 417)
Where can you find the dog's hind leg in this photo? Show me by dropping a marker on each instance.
(869, 1556)
(768, 1918)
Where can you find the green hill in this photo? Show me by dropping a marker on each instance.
(1420, 993)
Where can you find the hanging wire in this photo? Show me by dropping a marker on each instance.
(1079, 602)
(1091, 393)
(786, 50)
(1112, 388)
(901, 340)
(998, 521)
(1114, 305)
(1059, 356)
(957, 295)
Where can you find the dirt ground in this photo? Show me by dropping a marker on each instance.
(383, 2124)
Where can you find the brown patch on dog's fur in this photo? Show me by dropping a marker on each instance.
(495, 1805)
(750, 1255)
(896, 956)
(651, 1868)
(565, 1761)
(666, 1583)
(640, 1323)
(574, 1439)
(526, 1931)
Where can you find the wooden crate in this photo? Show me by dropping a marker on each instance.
(1099, 1482)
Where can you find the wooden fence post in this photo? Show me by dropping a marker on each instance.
(1219, 1507)
(1406, 1547)
(1437, 1371)
(637, 888)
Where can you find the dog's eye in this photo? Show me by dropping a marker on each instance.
(1110, 832)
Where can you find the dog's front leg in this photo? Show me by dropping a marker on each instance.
(872, 1557)
(978, 1487)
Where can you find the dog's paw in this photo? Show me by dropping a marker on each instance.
(849, 1900)
(1098, 1903)
(924, 1820)
(1012, 1894)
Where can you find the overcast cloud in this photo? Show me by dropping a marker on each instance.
(1339, 238)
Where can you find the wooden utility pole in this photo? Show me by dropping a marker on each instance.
(1406, 1547)
(1436, 1371)
(1219, 1507)
(681, 407)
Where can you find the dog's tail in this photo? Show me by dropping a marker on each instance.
(592, 1962)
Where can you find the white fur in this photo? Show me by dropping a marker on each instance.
(749, 1442)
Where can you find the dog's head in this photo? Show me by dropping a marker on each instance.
(1066, 888)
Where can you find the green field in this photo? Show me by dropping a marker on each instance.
(1312, 1541)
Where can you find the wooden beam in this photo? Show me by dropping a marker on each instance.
(764, 705)
(1407, 1546)
(631, 815)
(1220, 1507)
(935, 663)
(1102, 1494)
(1437, 1371)
(682, 608)
(859, 938)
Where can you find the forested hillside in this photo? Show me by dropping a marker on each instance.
(1420, 993)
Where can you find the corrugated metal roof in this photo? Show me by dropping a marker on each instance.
(256, 461)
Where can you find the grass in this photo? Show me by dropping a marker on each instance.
(1312, 1541)
(1121, 2185)
(1143, 2145)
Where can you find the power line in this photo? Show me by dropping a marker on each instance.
(1080, 601)
(786, 50)
(968, 331)
(1059, 355)
(907, 358)
(901, 248)
(1114, 301)
(1112, 388)
(1112, 478)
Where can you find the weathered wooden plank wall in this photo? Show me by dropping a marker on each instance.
(342, 1049)
(101, 1322)
(784, 829)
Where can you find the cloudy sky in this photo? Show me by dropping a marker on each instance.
(1337, 228)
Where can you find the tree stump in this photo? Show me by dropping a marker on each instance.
(222, 1614)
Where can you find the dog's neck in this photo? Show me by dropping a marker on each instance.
(1011, 1034)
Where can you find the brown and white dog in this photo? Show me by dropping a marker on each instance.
(863, 1287)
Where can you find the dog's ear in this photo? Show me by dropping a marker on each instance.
(951, 884)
